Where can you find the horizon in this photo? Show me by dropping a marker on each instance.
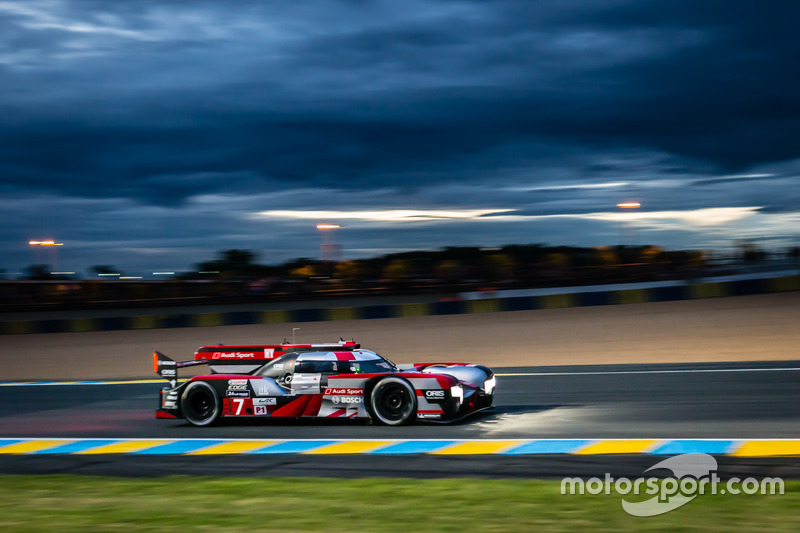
(151, 135)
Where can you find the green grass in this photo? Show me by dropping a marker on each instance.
(88, 504)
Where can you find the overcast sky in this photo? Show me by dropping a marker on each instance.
(151, 134)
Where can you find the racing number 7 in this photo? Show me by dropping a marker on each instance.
(239, 404)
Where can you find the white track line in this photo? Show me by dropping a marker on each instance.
(87, 383)
(505, 375)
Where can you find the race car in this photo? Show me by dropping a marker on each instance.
(338, 380)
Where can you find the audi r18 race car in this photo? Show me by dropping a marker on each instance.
(338, 380)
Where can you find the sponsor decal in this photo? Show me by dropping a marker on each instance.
(434, 395)
(169, 400)
(269, 353)
(233, 355)
(278, 366)
(161, 362)
(260, 410)
(237, 393)
(347, 399)
(237, 384)
(265, 401)
(429, 415)
(241, 405)
(168, 372)
(262, 390)
(343, 392)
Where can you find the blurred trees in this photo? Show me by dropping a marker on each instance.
(235, 275)
(350, 273)
(304, 272)
(38, 273)
(104, 269)
(234, 264)
(514, 265)
(499, 267)
(749, 252)
(397, 270)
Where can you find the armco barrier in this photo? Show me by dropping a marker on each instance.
(487, 305)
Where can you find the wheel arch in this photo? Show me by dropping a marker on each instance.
(209, 388)
(374, 382)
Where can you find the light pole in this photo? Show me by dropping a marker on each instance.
(328, 250)
(48, 244)
(623, 206)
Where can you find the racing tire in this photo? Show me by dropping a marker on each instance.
(393, 401)
(200, 404)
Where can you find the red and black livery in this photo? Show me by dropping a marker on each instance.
(337, 380)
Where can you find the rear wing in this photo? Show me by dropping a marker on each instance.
(168, 368)
(255, 353)
(240, 355)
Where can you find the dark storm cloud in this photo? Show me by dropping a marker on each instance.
(447, 91)
(168, 118)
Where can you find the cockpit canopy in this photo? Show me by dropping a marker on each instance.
(330, 363)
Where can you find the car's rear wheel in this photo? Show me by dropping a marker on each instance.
(393, 401)
(200, 404)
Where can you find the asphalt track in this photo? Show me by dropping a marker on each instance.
(747, 399)
(719, 400)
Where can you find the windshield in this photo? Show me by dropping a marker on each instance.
(365, 367)
(394, 366)
(279, 366)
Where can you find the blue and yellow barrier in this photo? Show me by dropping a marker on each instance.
(156, 446)
(449, 307)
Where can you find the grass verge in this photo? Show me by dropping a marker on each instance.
(78, 503)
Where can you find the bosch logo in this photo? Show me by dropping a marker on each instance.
(347, 399)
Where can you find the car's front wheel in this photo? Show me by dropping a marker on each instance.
(200, 404)
(393, 401)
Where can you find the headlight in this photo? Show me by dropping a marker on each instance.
(488, 385)
(457, 392)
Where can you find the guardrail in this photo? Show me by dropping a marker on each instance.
(570, 298)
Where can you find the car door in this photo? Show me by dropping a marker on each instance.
(311, 375)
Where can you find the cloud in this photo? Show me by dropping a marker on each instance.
(554, 107)
(713, 216)
(387, 215)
